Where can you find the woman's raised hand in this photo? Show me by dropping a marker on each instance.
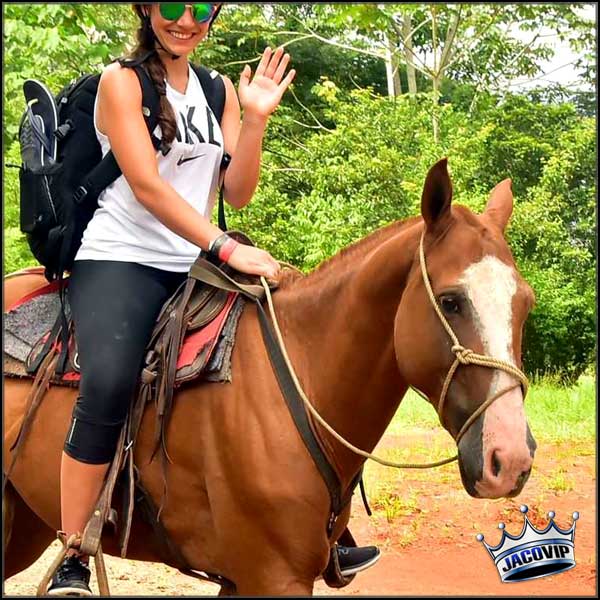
(260, 95)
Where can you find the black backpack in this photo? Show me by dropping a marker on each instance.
(58, 199)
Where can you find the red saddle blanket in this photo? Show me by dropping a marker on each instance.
(205, 352)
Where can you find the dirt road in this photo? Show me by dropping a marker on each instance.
(428, 548)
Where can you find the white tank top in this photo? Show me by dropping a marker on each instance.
(122, 229)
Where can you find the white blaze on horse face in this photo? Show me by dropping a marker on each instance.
(490, 286)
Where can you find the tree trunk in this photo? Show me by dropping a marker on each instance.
(435, 114)
(392, 68)
(411, 73)
(436, 77)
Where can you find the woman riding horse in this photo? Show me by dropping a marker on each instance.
(147, 232)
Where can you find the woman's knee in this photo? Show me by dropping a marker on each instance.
(105, 396)
(98, 418)
(90, 442)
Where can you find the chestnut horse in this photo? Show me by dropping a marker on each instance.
(245, 499)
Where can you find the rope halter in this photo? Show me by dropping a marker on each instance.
(466, 356)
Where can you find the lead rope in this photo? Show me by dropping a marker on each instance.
(464, 356)
(319, 418)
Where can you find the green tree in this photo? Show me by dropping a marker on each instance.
(343, 158)
(472, 43)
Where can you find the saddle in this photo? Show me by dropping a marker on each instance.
(211, 321)
(193, 337)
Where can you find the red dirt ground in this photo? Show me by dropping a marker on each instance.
(433, 550)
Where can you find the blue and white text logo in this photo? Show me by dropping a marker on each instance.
(533, 553)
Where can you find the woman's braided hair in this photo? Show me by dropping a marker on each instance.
(146, 42)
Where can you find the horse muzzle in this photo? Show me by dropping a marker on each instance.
(494, 468)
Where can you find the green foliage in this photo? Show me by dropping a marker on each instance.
(555, 411)
(16, 251)
(522, 140)
(341, 160)
(56, 43)
(553, 236)
(559, 335)
(338, 185)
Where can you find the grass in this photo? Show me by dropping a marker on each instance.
(559, 481)
(396, 504)
(555, 412)
(561, 413)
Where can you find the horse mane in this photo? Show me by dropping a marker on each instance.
(361, 247)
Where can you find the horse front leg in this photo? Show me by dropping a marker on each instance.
(284, 569)
(263, 567)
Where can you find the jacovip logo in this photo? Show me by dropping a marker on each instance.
(533, 553)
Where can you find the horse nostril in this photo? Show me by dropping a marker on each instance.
(523, 478)
(496, 466)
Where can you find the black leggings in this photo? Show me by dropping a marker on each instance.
(114, 306)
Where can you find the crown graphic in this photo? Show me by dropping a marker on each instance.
(533, 553)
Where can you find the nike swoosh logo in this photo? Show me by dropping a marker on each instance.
(184, 160)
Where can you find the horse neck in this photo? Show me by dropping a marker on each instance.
(338, 325)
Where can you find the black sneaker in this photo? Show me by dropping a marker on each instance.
(71, 579)
(353, 560)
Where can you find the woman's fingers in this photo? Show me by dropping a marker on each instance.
(264, 61)
(288, 79)
(270, 268)
(245, 76)
(255, 261)
(273, 63)
(278, 75)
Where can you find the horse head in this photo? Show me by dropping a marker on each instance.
(484, 301)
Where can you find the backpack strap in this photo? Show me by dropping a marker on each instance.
(99, 178)
(213, 87)
(107, 170)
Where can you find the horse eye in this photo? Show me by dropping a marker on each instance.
(450, 305)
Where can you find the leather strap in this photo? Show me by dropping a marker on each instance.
(299, 415)
(92, 534)
(209, 273)
(205, 271)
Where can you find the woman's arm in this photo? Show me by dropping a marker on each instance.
(243, 141)
(259, 97)
(119, 117)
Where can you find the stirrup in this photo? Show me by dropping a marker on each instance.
(74, 541)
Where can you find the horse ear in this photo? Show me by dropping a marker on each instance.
(437, 195)
(500, 204)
